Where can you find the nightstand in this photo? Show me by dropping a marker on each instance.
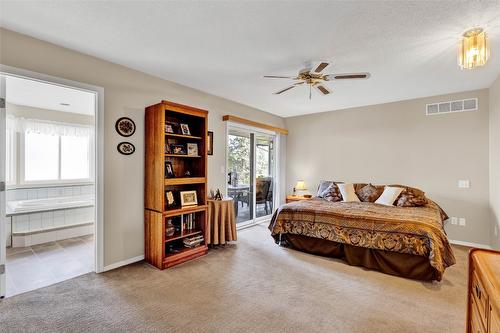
(292, 198)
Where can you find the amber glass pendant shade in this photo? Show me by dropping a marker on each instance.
(474, 49)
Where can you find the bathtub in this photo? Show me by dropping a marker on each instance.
(47, 204)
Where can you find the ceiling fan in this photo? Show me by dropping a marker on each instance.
(316, 78)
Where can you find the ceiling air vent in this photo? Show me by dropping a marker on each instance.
(451, 106)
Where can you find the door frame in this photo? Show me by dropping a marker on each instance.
(276, 185)
(98, 147)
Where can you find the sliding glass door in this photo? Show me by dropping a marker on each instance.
(251, 170)
(264, 174)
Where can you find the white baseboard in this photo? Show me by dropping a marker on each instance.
(123, 263)
(481, 246)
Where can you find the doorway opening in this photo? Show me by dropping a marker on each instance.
(251, 172)
(50, 215)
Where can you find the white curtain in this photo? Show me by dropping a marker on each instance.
(23, 125)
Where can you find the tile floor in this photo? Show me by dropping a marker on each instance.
(37, 266)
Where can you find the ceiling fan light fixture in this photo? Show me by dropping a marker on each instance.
(474, 49)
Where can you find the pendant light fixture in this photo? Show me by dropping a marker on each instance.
(474, 49)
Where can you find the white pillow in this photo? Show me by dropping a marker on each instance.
(348, 193)
(389, 195)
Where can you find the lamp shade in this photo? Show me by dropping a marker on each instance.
(474, 50)
(301, 185)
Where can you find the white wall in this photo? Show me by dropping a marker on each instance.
(396, 143)
(494, 94)
(127, 92)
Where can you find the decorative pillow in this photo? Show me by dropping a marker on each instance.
(389, 195)
(332, 193)
(410, 197)
(348, 193)
(369, 193)
(323, 185)
(358, 187)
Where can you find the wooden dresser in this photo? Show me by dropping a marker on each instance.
(483, 295)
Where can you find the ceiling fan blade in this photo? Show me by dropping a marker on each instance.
(288, 88)
(283, 90)
(279, 77)
(321, 67)
(324, 90)
(349, 76)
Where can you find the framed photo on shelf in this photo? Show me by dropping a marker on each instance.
(210, 143)
(188, 198)
(192, 149)
(169, 128)
(172, 127)
(170, 199)
(185, 129)
(169, 170)
(177, 149)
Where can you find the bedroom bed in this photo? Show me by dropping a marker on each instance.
(404, 241)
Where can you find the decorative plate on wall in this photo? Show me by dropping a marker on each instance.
(125, 126)
(126, 148)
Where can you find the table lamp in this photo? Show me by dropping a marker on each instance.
(301, 186)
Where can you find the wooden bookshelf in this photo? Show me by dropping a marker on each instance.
(182, 234)
(182, 156)
(186, 210)
(183, 136)
(160, 250)
(185, 181)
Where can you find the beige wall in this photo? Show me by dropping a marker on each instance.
(397, 143)
(50, 115)
(495, 162)
(126, 93)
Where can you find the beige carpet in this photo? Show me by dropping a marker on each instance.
(254, 286)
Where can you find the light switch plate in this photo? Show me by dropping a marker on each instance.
(461, 222)
(454, 220)
(464, 183)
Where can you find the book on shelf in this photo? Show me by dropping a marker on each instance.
(188, 221)
(193, 241)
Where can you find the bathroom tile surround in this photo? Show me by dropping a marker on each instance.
(41, 227)
(48, 192)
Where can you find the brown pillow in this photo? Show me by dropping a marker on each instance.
(369, 193)
(332, 193)
(410, 197)
(323, 185)
(358, 187)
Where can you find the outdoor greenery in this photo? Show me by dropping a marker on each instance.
(239, 158)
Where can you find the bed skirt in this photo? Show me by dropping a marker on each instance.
(400, 264)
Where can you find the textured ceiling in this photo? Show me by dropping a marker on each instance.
(224, 48)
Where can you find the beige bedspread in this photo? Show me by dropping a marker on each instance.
(412, 230)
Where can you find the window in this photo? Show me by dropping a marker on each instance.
(55, 158)
(45, 152)
(41, 157)
(75, 157)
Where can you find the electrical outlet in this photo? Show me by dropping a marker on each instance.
(454, 220)
(464, 183)
(461, 221)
